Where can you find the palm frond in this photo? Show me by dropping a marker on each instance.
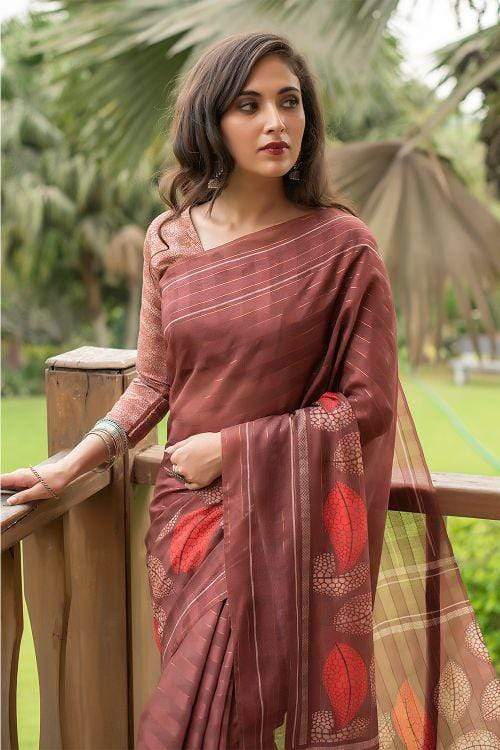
(430, 230)
(31, 206)
(453, 59)
(128, 57)
(22, 124)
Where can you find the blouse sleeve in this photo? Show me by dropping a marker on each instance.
(146, 400)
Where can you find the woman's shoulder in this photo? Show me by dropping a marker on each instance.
(349, 233)
(168, 239)
(164, 226)
(350, 225)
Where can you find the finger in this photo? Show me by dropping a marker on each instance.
(174, 446)
(37, 492)
(9, 481)
(175, 456)
(192, 486)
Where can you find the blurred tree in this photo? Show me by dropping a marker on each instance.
(478, 56)
(62, 208)
(126, 60)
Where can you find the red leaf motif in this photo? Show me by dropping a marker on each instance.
(346, 680)
(344, 516)
(192, 536)
(410, 720)
(329, 400)
(333, 418)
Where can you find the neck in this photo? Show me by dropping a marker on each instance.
(250, 199)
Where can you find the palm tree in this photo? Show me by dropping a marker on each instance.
(61, 212)
(476, 59)
(124, 261)
(126, 60)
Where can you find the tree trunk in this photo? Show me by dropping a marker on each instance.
(96, 310)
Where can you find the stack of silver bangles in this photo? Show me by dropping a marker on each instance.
(114, 437)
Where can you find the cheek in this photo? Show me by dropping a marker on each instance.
(241, 136)
(296, 122)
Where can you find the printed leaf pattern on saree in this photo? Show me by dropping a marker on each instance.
(192, 536)
(344, 516)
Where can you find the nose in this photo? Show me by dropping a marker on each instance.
(274, 120)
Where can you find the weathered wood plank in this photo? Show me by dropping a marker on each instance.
(45, 594)
(146, 662)
(18, 521)
(12, 630)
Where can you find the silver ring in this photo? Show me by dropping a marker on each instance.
(181, 477)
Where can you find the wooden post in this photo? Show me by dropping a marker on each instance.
(78, 571)
(12, 630)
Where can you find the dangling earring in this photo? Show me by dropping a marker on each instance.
(215, 181)
(294, 173)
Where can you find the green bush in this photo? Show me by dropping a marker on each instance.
(29, 379)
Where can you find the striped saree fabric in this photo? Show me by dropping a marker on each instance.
(286, 593)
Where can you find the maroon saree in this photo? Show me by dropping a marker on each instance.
(286, 590)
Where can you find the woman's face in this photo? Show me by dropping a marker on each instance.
(271, 110)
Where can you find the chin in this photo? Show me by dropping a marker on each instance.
(276, 170)
(268, 170)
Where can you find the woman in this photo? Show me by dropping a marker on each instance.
(268, 332)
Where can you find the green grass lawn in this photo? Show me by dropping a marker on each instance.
(459, 430)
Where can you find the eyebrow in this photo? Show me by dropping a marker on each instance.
(248, 92)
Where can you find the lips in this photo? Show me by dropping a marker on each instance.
(275, 150)
(275, 146)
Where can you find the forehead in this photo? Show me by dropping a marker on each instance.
(271, 72)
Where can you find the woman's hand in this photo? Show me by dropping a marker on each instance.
(198, 458)
(30, 488)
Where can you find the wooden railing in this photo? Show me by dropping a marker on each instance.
(84, 572)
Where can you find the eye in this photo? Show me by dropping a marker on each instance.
(252, 104)
(245, 105)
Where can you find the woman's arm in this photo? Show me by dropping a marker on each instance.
(146, 400)
(143, 404)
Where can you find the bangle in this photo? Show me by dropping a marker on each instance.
(108, 436)
(116, 429)
(111, 458)
(114, 437)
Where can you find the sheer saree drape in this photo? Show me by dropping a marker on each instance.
(287, 589)
(411, 672)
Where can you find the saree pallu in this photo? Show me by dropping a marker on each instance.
(359, 654)
(286, 591)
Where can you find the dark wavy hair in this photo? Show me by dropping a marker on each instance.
(207, 91)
